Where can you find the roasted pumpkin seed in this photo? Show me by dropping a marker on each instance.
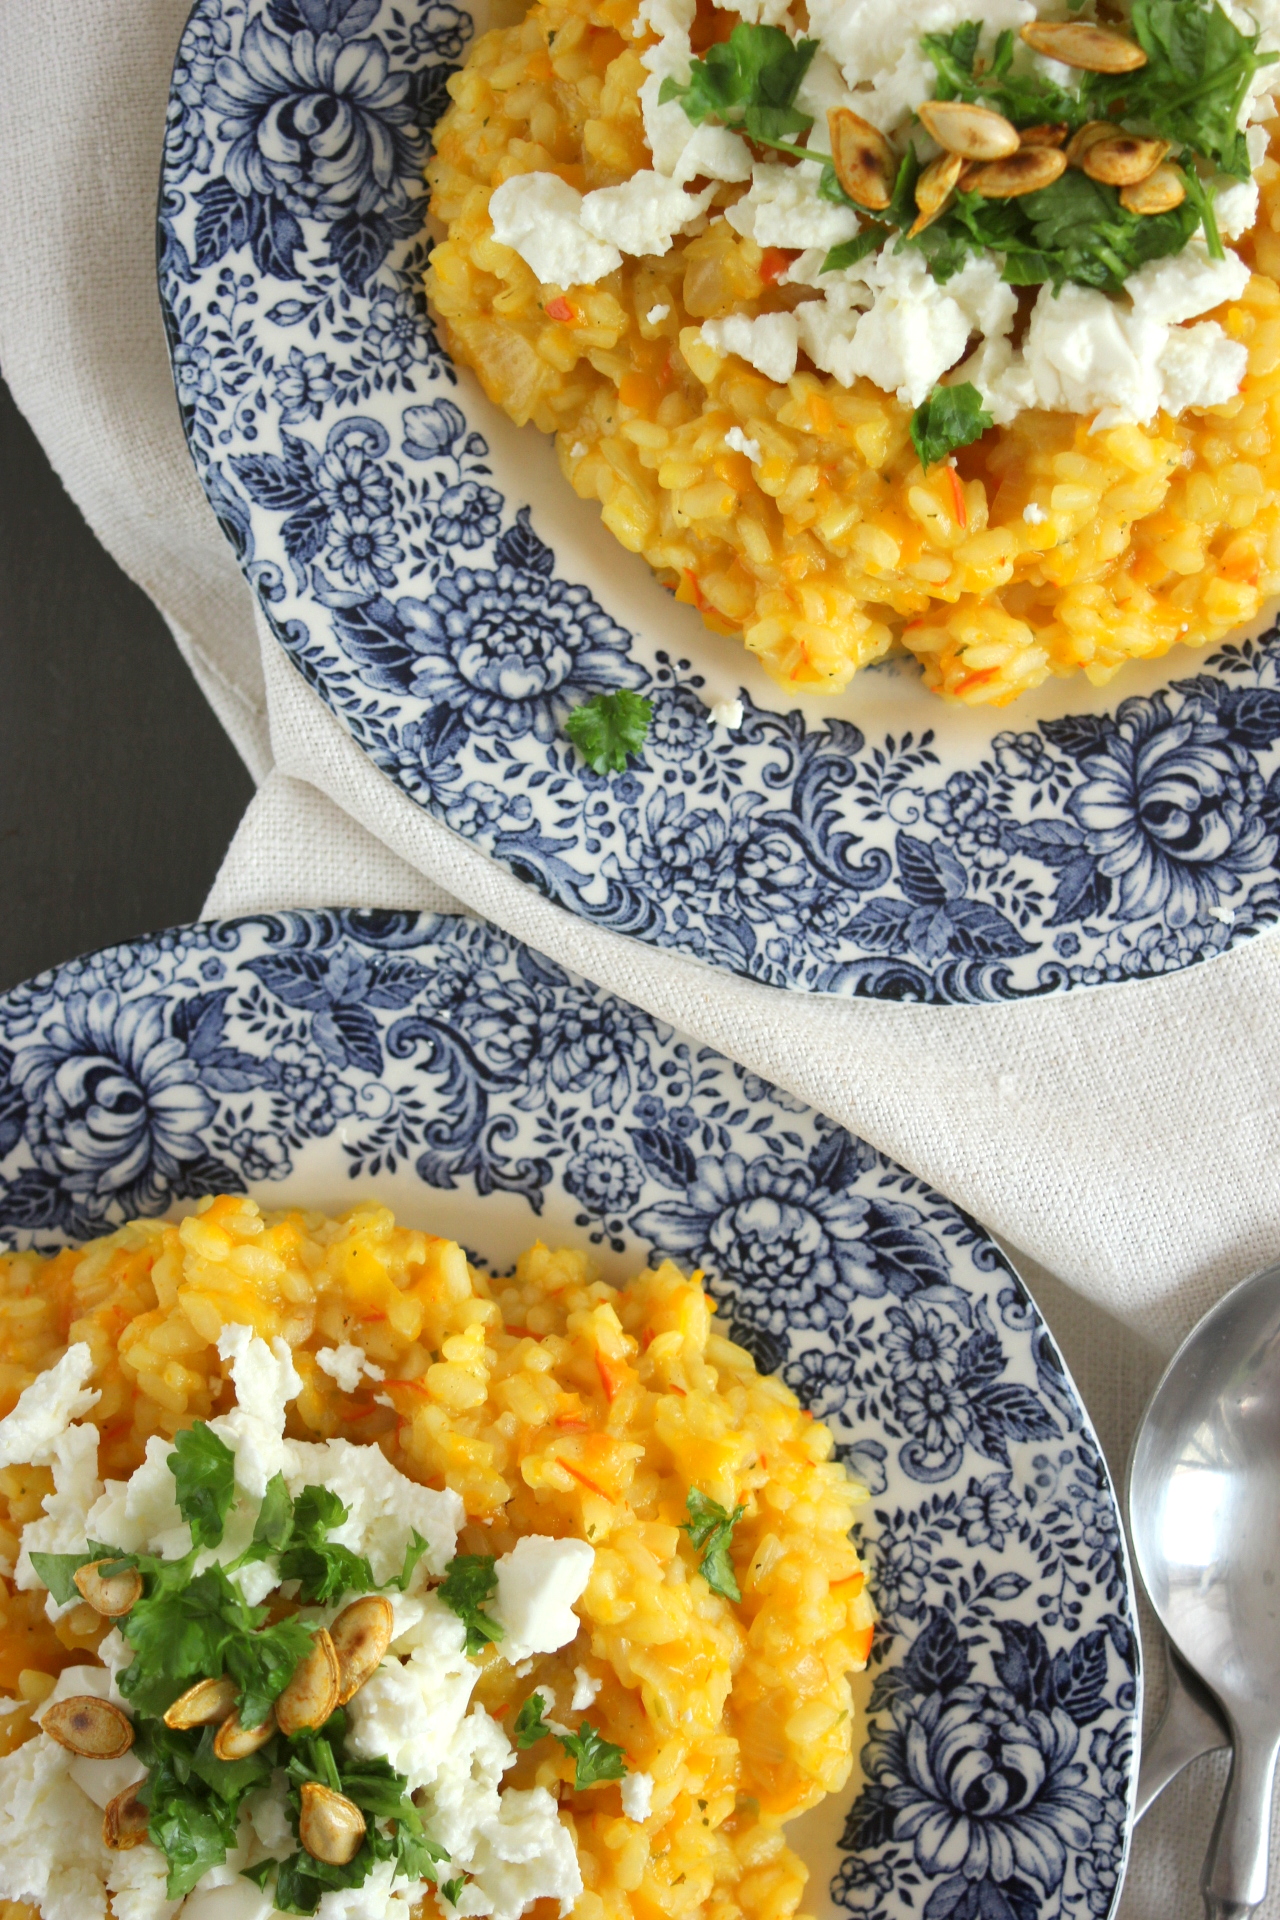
(330, 1826)
(111, 1598)
(312, 1694)
(864, 162)
(1023, 172)
(977, 133)
(935, 187)
(234, 1742)
(86, 1724)
(207, 1704)
(125, 1821)
(1160, 192)
(1124, 159)
(1077, 43)
(1048, 134)
(361, 1635)
(1088, 136)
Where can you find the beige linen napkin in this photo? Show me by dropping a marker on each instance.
(1126, 1138)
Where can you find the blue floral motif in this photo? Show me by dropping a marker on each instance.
(400, 568)
(351, 1047)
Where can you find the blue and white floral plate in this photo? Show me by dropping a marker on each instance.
(880, 844)
(317, 1058)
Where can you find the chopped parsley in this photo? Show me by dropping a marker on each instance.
(325, 1569)
(193, 1798)
(412, 1554)
(1028, 99)
(749, 82)
(200, 1629)
(469, 1580)
(452, 1888)
(710, 1527)
(58, 1571)
(529, 1726)
(204, 1468)
(595, 1759)
(605, 730)
(381, 1795)
(951, 417)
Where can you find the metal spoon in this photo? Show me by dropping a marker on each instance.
(1190, 1725)
(1204, 1508)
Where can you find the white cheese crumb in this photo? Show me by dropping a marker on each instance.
(237, 1900)
(1235, 208)
(540, 216)
(637, 1795)
(1035, 516)
(725, 713)
(1200, 367)
(585, 1690)
(644, 214)
(738, 441)
(769, 342)
(869, 39)
(538, 1582)
(784, 209)
(654, 317)
(1257, 140)
(410, 1711)
(30, 1434)
(64, 1528)
(345, 1364)
(385, 1508)
(1186, 284)
(265, 1381)
(576, 452)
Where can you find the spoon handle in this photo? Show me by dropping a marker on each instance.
(1189, 1726)
(1234, 1880)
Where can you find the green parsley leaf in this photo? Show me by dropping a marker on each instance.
(259, 1874)
(325, 1569)
(1028, 99)
(262, 1665)
(194, 1809)
(951, 417)
(1202, 200)
(412, 1554)
(274, 1523)
(302, 1882)
(469, 1580)
(849, 252)
(204, 1468)
(200, 1630)
(529, 1725)
(1199, 66)
(452, 1888)
(747, 81)
(595, 1759)
(58, 1571)
(605, 730)
(710, 1527)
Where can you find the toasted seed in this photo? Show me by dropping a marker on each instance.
(1124, 159)
(1050, 133)
(330, 1826)
(1023, 172)
(234, 1742)
(1160, 192)
(935, 188)
(361, 1635)
(312, 1694)
(975, 132)
(864, 161)
(112, 1597)
(125, 1822)
(207, 1704)
(90, 1726)
(1088, 136)
(1076, 43)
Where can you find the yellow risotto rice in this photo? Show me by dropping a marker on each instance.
(836, 548)
(553, 1404)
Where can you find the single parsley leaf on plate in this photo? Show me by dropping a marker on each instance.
(58, 1571)
(469, 1580)
(605, 730)
(849, 252)
(595, 1759)
(710, 1527)
(452, 1888)
(1199, 66)
(951, 417)
(324, 1568)
(412, 1554)
(204, 1468)
(259, 1874)
(749, 80)
(529, 1725)
(274, 1524)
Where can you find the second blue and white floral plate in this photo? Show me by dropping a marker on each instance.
(319, 1058)
(881, 844)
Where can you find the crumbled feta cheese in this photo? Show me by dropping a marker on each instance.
(644, 215)
(769, 342)
(738, 441)
(1085, 353)
(784, 209)
(138, 1514)
(576, 452)
(345, 1364)
(51, 1850)
(867, 39)
(538, 1582)
(377, 1899)
(717, 153)
(30, 1434)
(668, 18)
(637, 1795)
(136, 1881)
(585, 1690)
(1184, 285)
(1200, 367)
(1257, 141)
(64, 1528)
(268, 1811)
(384, 1506)
(540, 216)
(410, 1711)
(760, 13)
(237, 1900)
(1235, 208)
(102, 1780)
(265, 1381)
(1035, 516)
(821, 89)
(512, 1844)
(725, 713)
(655, 317)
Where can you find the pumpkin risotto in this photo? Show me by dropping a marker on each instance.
(831, 477)
(408, 1590)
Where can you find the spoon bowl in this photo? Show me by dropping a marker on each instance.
(1204, 1511)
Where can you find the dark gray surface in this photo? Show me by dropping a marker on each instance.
(118, 789)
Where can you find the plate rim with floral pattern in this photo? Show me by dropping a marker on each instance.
(305, 1055)
(448, 607)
